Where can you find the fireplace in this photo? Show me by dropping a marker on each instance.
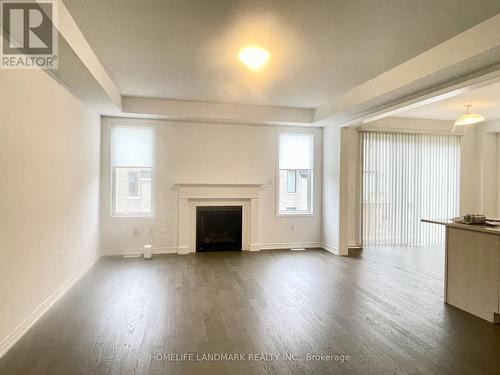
(193, 195)
(218, 228)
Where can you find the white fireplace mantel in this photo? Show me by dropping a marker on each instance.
(191, 195)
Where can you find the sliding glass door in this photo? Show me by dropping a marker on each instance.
(407, 177)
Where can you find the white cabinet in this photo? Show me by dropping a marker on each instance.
(472, 275)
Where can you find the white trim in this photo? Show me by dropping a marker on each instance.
(185, 250)
(288, 245)
(164, 250)
(330, 248)
(178, 185)
(254, 247)
(412, 126)
(18, 332)
(295, 214)
(354, 245)
(368, 128)
(136, 251)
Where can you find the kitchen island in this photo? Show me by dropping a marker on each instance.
(472, 268)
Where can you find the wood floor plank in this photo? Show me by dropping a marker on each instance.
(382, 307)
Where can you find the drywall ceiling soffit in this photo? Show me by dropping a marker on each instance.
(410, 81)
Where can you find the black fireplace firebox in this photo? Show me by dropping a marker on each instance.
(218, 228)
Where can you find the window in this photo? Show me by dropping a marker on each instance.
(291, 184)
(132, 155)
(133, 184)
(295, 173)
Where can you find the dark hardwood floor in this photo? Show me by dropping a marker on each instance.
(381, 307)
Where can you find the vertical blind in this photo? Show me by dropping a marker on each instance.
(407, 177)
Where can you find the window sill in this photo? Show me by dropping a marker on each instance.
(298, 214)
(148, 216)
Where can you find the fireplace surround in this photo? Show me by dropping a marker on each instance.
(193, 195)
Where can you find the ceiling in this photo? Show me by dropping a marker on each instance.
(187, 49)
(485, 101)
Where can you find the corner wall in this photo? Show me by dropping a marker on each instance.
(335, 226)
(49, 184)
(488, 168)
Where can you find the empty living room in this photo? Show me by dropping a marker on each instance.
(249, 187)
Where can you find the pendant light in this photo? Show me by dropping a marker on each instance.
(468, 118)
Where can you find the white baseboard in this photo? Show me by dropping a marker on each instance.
(164, 250)
(22, 328)
(331, 248)
(135, 251)
(254, 247)
(185, 249)
(354, 245)
(287, 245)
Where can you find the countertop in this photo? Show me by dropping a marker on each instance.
(473, 227)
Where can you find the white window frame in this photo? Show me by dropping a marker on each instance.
(277, 178)
(113, 213)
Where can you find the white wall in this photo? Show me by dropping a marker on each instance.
(488, 167)
(49, 184)
(335, 185)
(353, 162)
(207, 153)
(486, 144)
(498, 174)
(469, 183)
(331, 186)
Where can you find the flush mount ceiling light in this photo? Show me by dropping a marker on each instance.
(468, 118)
(254, 57)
